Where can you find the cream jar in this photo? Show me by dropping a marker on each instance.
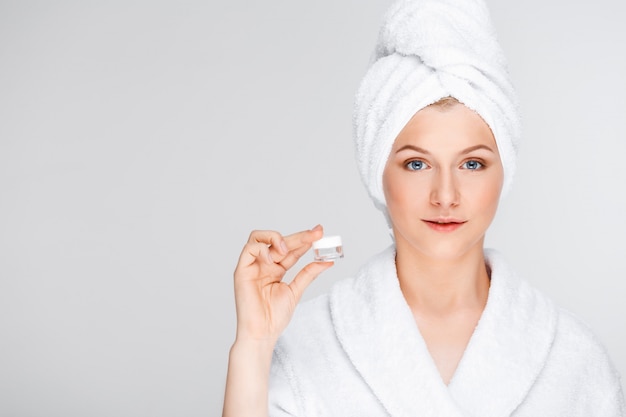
(327, 249)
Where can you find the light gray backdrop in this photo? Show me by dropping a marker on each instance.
(140, 142)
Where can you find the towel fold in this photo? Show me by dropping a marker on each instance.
(428, 50)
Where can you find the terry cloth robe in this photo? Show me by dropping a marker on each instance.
(357, 351)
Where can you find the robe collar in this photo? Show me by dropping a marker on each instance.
(504, 356)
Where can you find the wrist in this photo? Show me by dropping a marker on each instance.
(253, 348)
(248, 375)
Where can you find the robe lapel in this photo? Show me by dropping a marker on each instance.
(378, 332)
(503, 359)
(509, 347)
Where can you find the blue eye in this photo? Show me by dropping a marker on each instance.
(472, 165)
(416, 165)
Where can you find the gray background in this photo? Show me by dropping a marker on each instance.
(140, 142)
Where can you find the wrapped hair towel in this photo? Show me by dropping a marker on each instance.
(428, 50)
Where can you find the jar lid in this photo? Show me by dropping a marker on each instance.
(327, 242)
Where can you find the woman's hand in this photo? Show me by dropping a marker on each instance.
(265, 303)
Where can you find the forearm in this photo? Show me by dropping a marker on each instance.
(247, 381)
(265, 305)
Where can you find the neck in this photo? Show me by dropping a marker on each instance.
(443, 286)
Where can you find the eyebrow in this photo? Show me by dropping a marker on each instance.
(425, 152)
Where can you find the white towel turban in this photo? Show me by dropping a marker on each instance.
(428, 50)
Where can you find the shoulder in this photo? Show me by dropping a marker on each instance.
(576, 343)
(578, 375)
(310, 370)
(575, 363)
(573, 328)
(576, 349)
(309, 334)
(297, 348)
(310, 320)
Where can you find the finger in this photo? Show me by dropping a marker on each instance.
(270, 238)
(299, 244)
(254, 251)
(295, 240)
(294, 256)
(306, 276)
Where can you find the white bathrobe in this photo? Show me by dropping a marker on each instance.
(358, 352)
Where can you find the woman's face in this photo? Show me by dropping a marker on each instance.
(442, 182)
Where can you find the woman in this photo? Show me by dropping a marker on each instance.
(435, 325)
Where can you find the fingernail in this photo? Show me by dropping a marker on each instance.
(283, 246)
(319, 226)
(269, 258)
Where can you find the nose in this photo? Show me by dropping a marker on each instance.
(445, 190)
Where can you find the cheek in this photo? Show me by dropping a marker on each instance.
(391, 188)
(487, 195)
(403, 192)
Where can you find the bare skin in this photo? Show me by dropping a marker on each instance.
(447, 313)
(264, 304)
(442, 185)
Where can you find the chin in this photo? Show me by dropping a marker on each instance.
(444, 249)
(446, 252)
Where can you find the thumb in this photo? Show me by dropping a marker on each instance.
(306, 276)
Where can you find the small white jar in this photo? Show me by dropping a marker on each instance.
(327, 249)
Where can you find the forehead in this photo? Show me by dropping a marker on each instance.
(450, 127)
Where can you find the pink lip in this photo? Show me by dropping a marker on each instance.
(444, 225)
